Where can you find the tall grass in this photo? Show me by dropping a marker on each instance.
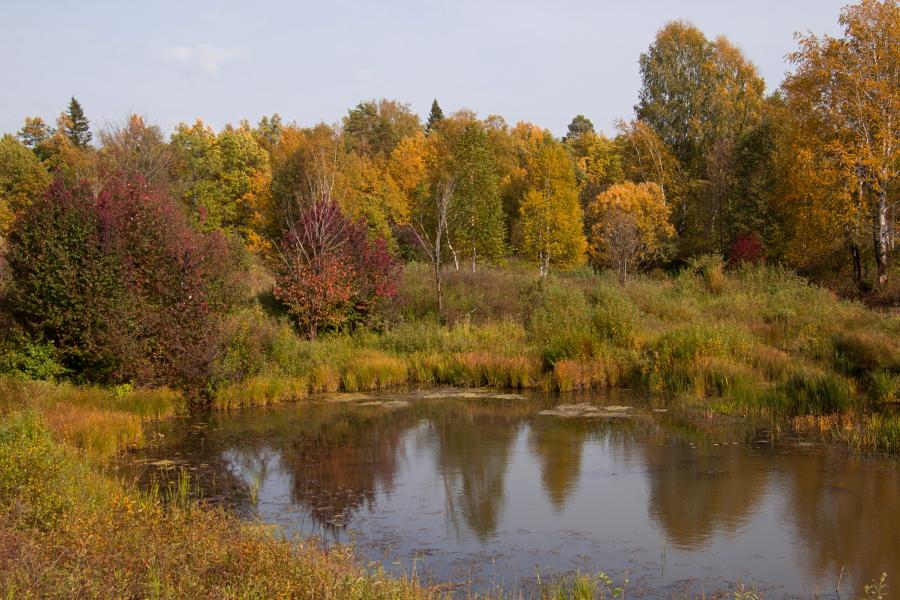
(757, 340)
(98, 421)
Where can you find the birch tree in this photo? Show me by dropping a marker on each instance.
(848, 89)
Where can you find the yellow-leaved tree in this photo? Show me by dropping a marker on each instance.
(846, 90)
(550, 213)
(631, 226)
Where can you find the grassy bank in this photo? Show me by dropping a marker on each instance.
(97, 422)
(66, 531)
(756, 341)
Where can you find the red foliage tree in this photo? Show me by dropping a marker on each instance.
(330, 272)
(119, 282)
(747, 248)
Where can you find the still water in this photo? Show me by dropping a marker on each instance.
(484, 490)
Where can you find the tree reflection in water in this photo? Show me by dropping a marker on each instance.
(471, 468)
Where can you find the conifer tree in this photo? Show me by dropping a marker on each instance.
(434, 117)
(77, 127)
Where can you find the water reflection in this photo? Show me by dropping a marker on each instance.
(468, 483)
(472, 460)
(697, 492)
(341, 466)
(842, 510)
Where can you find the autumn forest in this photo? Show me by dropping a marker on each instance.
(730, 248)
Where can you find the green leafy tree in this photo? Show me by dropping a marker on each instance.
(375, 128)
(578, 128)
(268, 132)
(222, 178)
(478, 231)
(695, 91)
(35, 133)
(700, 97)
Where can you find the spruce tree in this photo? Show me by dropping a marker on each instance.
(434, 117)
(77, 126)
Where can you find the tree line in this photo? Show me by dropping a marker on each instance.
(710, 163)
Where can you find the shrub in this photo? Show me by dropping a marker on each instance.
(866, 351)
(614, 316)
(883, 388)
(330, 273)
(670, 362)
(30, 469)
(710, 269)
(746, 249)
(560, 325)
(813, 393)
(570, 375)
(260, 390)
(21, 356)
(119, 283)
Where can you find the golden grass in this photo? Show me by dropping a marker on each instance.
(260, 391)
(97, 421)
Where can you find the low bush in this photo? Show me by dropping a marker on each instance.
(614, 317)
(883, 388)
(812, 393)
(866, 351)
(260, 390)
(560, 324)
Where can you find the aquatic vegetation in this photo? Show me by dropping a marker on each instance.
(260, 390)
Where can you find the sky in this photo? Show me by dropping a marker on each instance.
(222, 61)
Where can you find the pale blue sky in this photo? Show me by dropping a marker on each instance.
(221, 61)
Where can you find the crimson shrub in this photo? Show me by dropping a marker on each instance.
(119, 282)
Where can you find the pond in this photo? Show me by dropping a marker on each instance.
(487, 490)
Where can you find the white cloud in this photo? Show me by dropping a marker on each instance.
(203, 57)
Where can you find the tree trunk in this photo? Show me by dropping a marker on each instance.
(857, 264)
(440, 292)
(880, 235)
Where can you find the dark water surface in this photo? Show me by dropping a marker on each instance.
(468, 487)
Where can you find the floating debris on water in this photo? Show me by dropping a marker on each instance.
(386, 403)
(346, 397)
(475, 394)
(587, 410)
